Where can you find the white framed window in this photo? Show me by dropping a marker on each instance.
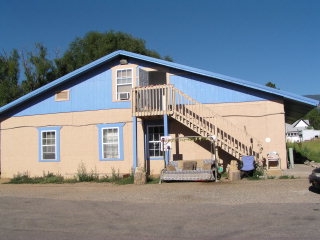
(124, 83)
(110, 141)
(154, 140)
(49, 144)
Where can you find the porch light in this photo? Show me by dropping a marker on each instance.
(123, 61)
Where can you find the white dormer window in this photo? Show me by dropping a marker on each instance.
(124, 84)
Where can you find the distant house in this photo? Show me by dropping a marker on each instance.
(111, 115)
(300, 131)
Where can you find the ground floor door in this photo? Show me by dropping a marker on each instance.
(153, 153)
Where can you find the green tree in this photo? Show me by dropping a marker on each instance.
(9, 77)
(38, 69)
(95, 45)
(314, 118)
(270, 84)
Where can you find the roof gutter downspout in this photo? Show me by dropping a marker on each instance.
(134, 143)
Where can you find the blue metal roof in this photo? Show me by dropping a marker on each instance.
(283, 94)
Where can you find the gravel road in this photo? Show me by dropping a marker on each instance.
(265, 209)
(225, 192)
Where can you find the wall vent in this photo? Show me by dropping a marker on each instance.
(62, 95)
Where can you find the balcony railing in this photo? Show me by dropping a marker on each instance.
(166, 99)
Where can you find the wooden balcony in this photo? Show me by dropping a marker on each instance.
(166, 99)
(152, 100)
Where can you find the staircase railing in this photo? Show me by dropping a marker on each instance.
(166, 99)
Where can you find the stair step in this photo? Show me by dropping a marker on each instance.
(186, 115)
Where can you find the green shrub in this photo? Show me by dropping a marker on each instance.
(21, 178)
(308, 150)
(84, 176)
(124, 181)
(152, 180)
(52, 178)
(286, 177)
(81, 176)
(258, 173)
(271, 177)
(70, 180)
(115, 176)
(104, 179)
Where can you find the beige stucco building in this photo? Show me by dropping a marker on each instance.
(109, 116)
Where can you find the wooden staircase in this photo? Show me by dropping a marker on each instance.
(166, 99)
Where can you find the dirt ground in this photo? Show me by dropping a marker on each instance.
(224, 192)
(264, 209)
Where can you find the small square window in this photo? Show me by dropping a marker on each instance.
(62, 95)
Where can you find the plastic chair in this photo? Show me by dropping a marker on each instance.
(248, 166)
(274, 159)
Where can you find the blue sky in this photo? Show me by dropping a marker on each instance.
(254, 40)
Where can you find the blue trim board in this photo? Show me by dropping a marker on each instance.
(134, 141)
(166, 133)
(165, 125)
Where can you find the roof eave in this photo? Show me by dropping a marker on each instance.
(58, 81)
(98, 62)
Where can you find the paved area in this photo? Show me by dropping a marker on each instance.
(300, 170)
(264, 209)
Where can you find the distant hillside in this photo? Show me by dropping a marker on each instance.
(316, 97)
